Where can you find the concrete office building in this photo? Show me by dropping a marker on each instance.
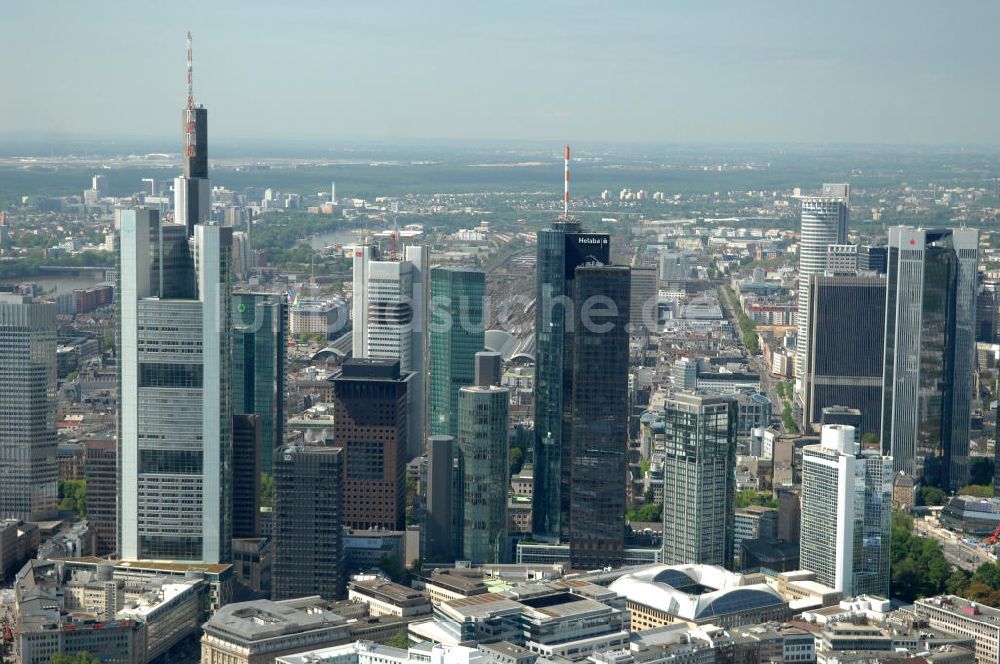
(101, 475)
(370, 424)
(846, 331)
(457, 334)
(260, 340)
(30, 472)
(599, 407)
(390, 318)
(482, 449)
(846, 511)
(561, 249)
(308, 513)
(699, 484)
(931, 314)
(959, 616)
(824, 222)
(175, 422)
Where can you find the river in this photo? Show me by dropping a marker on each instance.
(61, 283)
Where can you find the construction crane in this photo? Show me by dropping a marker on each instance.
(994, 538)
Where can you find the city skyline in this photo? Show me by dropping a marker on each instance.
(684, 64)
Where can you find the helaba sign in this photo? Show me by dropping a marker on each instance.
(586, 248)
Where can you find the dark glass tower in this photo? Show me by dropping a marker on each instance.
(457, 334)
(930, 352)
(599, 420)
(560, 250)
(246, 476)
(260, 334)
(308, 513)
(846, 339)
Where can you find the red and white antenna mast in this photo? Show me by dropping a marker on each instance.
(566, 187)
(190, 76)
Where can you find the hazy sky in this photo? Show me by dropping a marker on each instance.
(893, 71)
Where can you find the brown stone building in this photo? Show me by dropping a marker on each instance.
(100, 471)
(370, 425)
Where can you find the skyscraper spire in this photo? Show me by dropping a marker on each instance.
(566, 187)
(189, 74)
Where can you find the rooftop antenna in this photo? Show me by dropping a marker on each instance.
(190, 75)
(566, 188)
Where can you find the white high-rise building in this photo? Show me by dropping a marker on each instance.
(175, 421)
(824, 222)
(29, 470)
(389, 312)
(846, 513)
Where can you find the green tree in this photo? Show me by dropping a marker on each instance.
(73, 496)
(931, 495)
(978, 490)
(645, 513)
(516, 458)
(266, 490)
(398, 640)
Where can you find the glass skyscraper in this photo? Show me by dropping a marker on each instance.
(846, 514)
(930, 352)
(29, 470)
(482, 450)
(846, 344)
(457, 334)
(260, 336)
(599, 422)
(699, 479)
(561, 249)
(175, 419)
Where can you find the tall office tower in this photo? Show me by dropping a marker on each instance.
(599, 408)
(930, 352)
(192, 191)
(370, 420)
(846, 513)
(699, 479)
(101, 475)
(390, 322)
(308, 554)
(643, 299)
(489, 368)
(846, 333)
(260, 336)
(457, 334)
(175, 414)
(439, 525)
(483, 457)
(29, 470)
(824, 222)
(986, 315)
(246, 475)
(561, 249)
(841, 259)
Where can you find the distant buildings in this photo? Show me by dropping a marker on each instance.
(175, 445)
(29, 472)
(699, 486)
(457, 334)
(846, 510)
(930, 352)
(308, 517)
